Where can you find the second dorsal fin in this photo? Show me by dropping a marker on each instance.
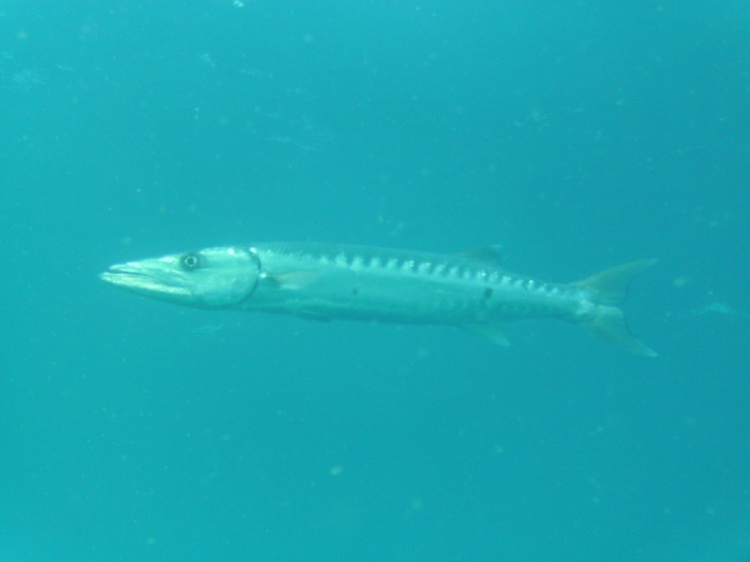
(488, 255)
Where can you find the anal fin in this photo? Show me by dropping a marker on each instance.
(491, 332)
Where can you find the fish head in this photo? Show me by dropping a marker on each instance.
(210, 278)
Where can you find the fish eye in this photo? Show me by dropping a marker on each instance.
(190, 262)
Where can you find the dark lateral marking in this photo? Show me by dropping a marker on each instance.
(355, 291)
(487, 293)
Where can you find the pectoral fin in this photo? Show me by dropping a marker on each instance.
(292, 280)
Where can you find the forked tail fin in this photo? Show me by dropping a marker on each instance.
(608, 289)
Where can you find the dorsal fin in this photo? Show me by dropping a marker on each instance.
(488, 255)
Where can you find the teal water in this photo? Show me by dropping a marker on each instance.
(577, 135)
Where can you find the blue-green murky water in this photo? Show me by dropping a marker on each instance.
(576, 135)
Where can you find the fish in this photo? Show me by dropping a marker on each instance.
(320, 281)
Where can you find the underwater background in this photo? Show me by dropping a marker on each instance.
(578, 135)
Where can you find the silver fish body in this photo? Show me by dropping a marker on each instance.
(332, 281)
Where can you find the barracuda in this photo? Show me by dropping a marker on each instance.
(330, 281)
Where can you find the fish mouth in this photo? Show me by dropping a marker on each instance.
(137, 279)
